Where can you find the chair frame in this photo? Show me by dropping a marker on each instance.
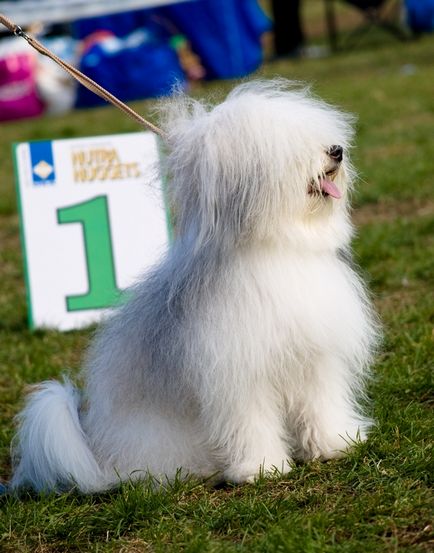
(375, 17)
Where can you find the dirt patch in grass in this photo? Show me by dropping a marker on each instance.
(387, 210)
(134, 546)
(421, 536)
(399, 300)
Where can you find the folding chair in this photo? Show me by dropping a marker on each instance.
(376, 13)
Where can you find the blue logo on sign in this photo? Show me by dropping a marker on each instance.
(43, 171)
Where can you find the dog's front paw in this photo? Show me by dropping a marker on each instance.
(248, 472)
(341, 445)
(332, 446)
(241, 473)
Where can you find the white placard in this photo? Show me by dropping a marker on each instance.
(93, 219)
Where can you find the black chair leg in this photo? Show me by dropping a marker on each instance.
(331, 24)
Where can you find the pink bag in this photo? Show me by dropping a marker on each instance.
(18, 95)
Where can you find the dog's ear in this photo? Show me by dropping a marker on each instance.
(236, 186)
(217, 171)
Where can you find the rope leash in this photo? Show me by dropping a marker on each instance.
(79, 76)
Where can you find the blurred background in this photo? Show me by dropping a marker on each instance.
(152, 45)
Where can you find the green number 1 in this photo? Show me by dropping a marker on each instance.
(94, 218)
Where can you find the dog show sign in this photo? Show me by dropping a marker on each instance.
(92, 218)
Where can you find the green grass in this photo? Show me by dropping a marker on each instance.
(377, 499)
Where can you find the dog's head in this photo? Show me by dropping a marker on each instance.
(270, 162)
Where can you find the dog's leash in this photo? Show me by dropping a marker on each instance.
(79, 76)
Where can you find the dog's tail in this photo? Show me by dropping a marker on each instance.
(50, 451)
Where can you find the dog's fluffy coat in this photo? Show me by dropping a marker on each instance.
(249, 343)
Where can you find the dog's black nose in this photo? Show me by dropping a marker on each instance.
(336, 152)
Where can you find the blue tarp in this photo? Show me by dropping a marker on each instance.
(131, 72)
(226, 34)
(420, 15)
(133, 60)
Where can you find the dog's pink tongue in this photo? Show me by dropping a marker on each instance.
(330, 188)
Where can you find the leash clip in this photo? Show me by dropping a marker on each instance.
(18, 31)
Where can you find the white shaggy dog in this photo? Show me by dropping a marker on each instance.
(248, 344)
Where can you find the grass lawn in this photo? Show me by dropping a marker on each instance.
(377, 499)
